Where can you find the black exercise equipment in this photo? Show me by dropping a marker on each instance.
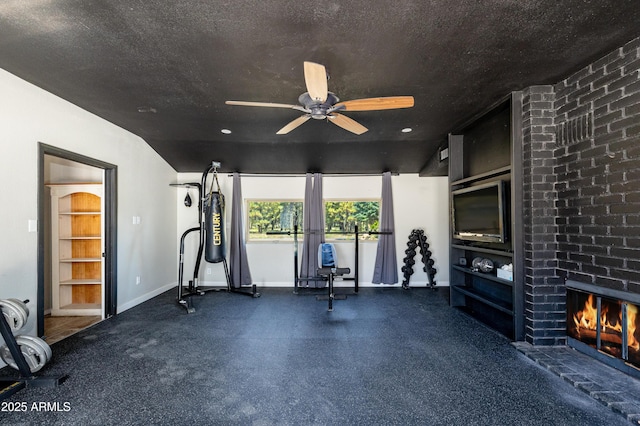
(324, 274)
(212, 241)
(27, 354)
(418, 239)
(215, 250)
(330, 274)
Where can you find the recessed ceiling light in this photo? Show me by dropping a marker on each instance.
(145, 109)
(407, 130)
(226, 131)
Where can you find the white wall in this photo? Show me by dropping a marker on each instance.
(29, 115)
(418, 203)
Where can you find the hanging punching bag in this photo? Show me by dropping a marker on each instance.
(214, 250)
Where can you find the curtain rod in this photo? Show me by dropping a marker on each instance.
(304, 174)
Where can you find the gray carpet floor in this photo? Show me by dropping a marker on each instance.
(384, 357)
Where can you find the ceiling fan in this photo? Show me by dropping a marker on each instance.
(318, 103)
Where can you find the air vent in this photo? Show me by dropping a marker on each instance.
(575, 130)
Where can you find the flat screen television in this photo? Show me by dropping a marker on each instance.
(479, 213)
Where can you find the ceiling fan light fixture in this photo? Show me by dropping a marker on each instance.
(318, 103)
(225, 131)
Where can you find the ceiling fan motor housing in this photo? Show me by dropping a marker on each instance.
(318, 110)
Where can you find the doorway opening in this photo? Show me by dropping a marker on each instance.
(76, 243)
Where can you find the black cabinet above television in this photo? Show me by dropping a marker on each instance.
(485, 177)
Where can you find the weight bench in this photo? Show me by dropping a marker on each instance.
(330, 273)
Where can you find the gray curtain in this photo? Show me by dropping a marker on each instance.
(313, 228)
(386, 267)
(239, 264)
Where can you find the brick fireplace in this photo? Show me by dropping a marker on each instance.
(581, 201)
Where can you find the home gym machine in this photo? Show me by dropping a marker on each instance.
(212, 241)
(327, 273)
(27, 354)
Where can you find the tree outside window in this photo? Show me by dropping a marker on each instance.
(341, 218)
(273, 219)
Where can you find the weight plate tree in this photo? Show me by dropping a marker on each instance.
(27, 354)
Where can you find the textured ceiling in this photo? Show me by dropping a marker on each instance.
(163, 69)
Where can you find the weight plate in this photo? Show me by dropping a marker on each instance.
(475, 263)
(34, 354)
(42, 344)
(486, 265)
(22, 305)
(13, 314)
(22, 309)
(5, 354)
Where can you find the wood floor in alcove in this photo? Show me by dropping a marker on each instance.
(57, 328)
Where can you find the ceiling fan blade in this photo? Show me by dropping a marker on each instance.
(292, 125)
(315, 76)
(375, 104)
(261, 104)
(347, 123)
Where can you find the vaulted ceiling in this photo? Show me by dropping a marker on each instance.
(164, 69)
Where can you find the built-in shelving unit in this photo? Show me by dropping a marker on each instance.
(485, 150)
(77, 249)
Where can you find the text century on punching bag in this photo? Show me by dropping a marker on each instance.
(217, 235)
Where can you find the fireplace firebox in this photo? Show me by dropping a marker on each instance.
(604, 323)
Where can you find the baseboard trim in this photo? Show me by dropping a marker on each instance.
(140, 299)
(344, 284)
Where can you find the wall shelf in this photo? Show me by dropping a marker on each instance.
(483, 176)
(488, 149)
(485, 250)
(80, 281)
(483, 275)
(500, 306)
(77, 249)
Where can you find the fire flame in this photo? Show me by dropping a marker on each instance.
(588, 319)
(632, 314)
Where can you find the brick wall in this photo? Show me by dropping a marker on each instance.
(581, 175)
(545, 310)
(598, 171)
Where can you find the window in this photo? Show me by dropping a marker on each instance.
(341, 218)
(270, 220)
